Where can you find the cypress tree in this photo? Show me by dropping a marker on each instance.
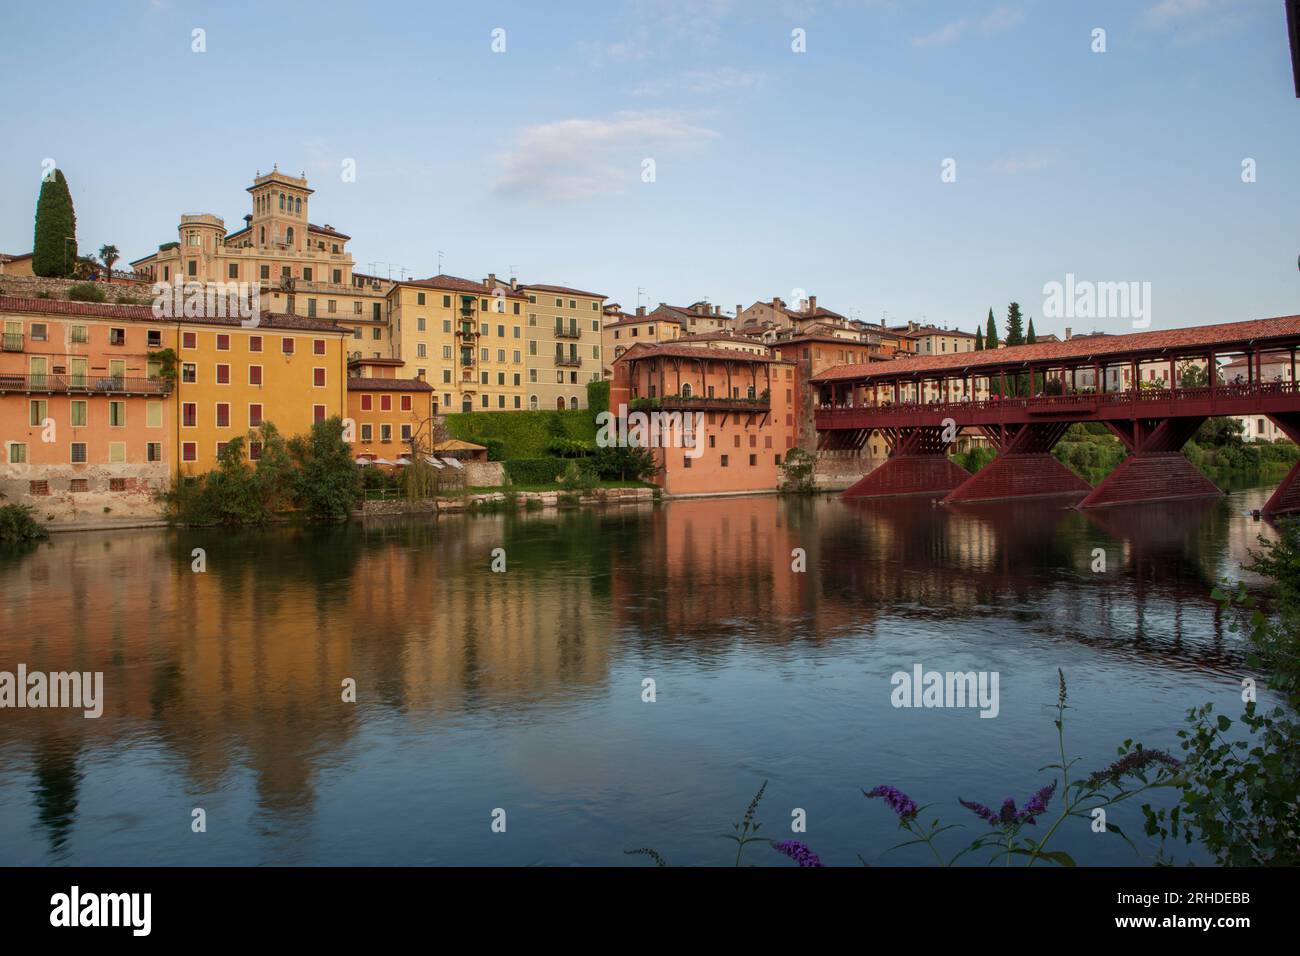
(991, 333)
(979, 339)
(52, 252)
(1030, 337)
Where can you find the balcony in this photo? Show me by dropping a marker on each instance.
(704, 403)
(83, 385)
(12, 342)
(563, 333)
(571, 361)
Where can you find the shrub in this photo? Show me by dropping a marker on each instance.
(797, 473)
(577, 478)
(87, 292)
(521, 434)
(598, 397)
(326, 482)
(17, 525)
(535, 471)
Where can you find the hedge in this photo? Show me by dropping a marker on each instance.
(598, 397)
(523, 434)
(539, 471)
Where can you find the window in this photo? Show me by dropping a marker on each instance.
(254, 375)
(385, 433)
(153, 338)
(78, 485)
(189, 373)
(318, 413)
(78, 453)
(753, 460)
(724, 461)
(223, 414)
(234, 270)
(77, 412)
(367, 431)
(406, 403)
(223, 374)
(318, 377)
(38, 488)
(116, 484)
(367, 402)
(385, 403)
(189, 340)
(189, 451)
(17, 453)
(318, 346)
(286, 346)
(254, 343)
(153, 451)
(254, 450)
(116, 456)
(117, 414)
(686, 461)
(419, 298)
(153, 414)
(80, 335)
(37, 411)
(223, 342)
(189, 414)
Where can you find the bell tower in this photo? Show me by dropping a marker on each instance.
(279, 211)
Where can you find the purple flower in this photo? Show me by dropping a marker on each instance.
(896, 800)
(1009, 816)
(798, 852)
(1132, 762)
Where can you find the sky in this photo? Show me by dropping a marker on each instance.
(904, 160)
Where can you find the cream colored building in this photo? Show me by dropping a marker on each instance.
(564, 344)
(625, 331)
(299, 267)
(931, 340)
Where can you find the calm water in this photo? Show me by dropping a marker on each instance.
(523, 690)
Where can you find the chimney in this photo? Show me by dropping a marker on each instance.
(777, 303)
(491, 280)
(1067, 333)
(812, 304)
(514, 283)
(640, 310)
(738, 310)
(717, 310)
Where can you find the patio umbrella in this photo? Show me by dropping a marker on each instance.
(433, 461)
(363, 461)
(402, 461)
(380, 461)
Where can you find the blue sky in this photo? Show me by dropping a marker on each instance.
(774, 170)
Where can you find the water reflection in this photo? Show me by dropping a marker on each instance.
(227, 684)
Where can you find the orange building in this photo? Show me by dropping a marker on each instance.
(741, 404)
(82, 406)
(387, 411)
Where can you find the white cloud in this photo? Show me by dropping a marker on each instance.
(1013, 165)
(997, 20)
(1191, 20)
(705, 82)
(576, 159)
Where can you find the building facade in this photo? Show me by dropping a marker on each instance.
(564, 345)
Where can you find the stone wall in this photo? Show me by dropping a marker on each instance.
(34, 287)
(840, 469)
(485, 474)
(547, 499)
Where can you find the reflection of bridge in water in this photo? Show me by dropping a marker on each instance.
(917, 403)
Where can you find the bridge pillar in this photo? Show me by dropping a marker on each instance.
(1286, 499)
(1156, 469)
(917, 465)
(1024, 466)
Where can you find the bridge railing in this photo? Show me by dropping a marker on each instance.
(826, 415)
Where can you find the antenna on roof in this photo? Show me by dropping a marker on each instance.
(640, 292)
(440, 255)
(511, 269)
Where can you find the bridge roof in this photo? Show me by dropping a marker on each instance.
(1283, 330)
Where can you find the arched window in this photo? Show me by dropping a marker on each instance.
(261, 235)
(297, 207)
(686, 390)
(532, 403)
(289, 235)
(281, 202)
(559, 403)
(573, 401)
(467, 404)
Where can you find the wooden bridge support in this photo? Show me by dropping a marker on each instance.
(1286, 499)
(1024, 466)
(1156, 469)
(917, 465)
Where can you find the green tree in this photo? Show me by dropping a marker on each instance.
(991, 333)
(108, 255)
(1016, 336)
(979, 339)
(1031, 337)
(326, 483)
(54, 245)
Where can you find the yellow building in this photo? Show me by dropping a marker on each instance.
(564, 345)
(464, 338)
(289, 370)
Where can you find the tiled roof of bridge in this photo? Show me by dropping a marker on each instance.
(1081, 348)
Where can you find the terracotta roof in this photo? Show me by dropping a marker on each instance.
(326, 231)
(358, 383)
(144, 313)
(645, 350)
(564, 290)
(722, 337)
(1080, 348)
(638, 319)
(15, 258)
(376, 361)
(448, 283)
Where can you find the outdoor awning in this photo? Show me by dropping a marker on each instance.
(453, 462)
(433, 461)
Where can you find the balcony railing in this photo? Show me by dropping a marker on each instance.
(84, 385)
(567, 333)
(569, 360)
(760, 403)
(13, 342)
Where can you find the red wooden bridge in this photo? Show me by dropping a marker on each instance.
(1152, 390)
